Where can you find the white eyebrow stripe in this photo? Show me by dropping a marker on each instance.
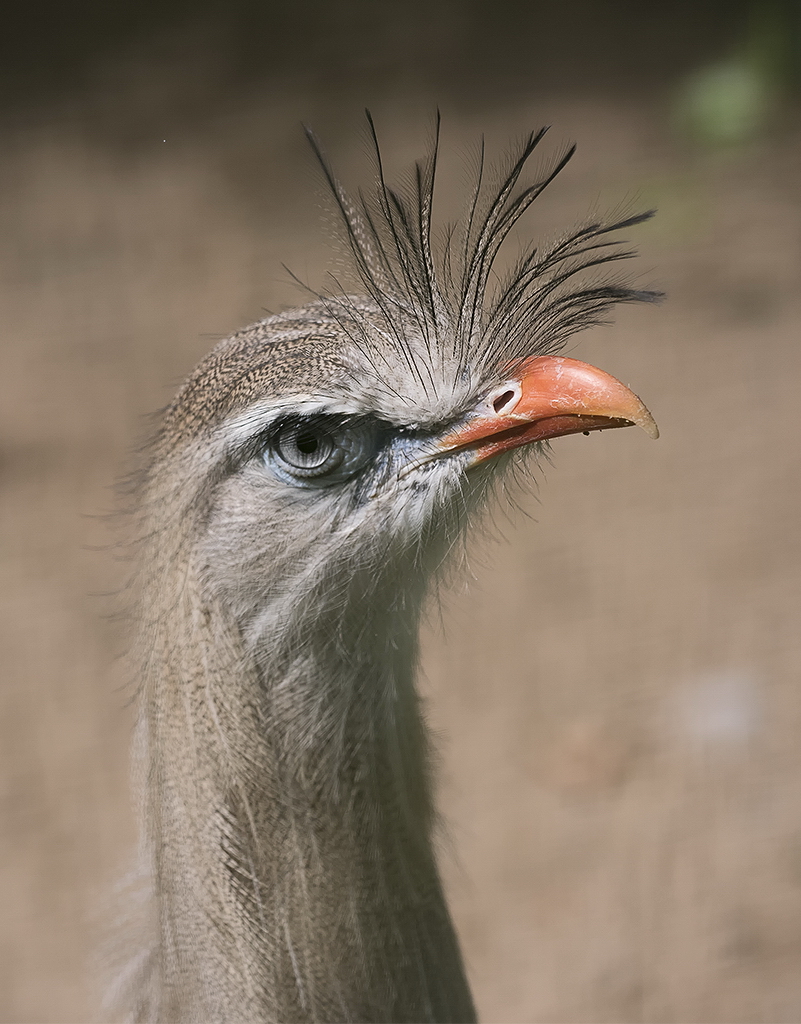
(261, 414)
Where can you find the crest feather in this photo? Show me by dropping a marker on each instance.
(449, 294)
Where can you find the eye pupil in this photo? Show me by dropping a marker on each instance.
(307, 443)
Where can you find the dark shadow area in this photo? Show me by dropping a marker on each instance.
(459, 49)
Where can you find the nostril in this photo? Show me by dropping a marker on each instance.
(500, 403)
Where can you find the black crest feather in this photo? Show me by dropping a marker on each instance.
(451, 293)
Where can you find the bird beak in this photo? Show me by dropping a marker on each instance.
(546, 397)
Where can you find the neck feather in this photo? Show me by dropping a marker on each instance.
(288, 816)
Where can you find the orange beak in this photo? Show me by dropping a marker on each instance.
(546, 397)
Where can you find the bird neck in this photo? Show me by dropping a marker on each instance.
(289, 816)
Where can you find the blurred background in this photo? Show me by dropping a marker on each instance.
(617, 690)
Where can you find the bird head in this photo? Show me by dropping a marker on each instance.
(323, 460)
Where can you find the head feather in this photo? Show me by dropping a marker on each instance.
(461, 314)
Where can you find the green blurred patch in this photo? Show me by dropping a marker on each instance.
(738, 97)
(725, 104)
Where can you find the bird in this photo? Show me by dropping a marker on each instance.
(311, 478)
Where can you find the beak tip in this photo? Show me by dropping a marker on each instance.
(648, 424)
(651, 429)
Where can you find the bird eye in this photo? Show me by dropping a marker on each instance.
(307, 448)
(319, 451)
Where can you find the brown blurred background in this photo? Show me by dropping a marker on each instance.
(617, 691)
